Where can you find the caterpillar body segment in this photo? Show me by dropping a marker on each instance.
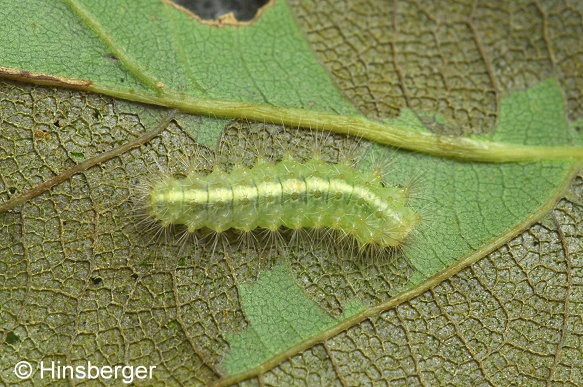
(291, 194)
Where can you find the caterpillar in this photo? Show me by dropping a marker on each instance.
(292, 194)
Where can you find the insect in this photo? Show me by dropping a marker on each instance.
(291, 194)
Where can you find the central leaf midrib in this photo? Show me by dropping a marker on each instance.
(461, 148)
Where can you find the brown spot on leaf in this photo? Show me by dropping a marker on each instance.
(111, 57)
(41, 134)
(43, 79)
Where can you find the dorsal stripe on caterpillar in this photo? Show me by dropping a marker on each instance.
(291, 194)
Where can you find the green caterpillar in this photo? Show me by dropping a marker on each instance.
(292, 194)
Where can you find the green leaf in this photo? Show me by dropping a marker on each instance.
(80, 280)
(191, 59)
(279, 315)
(172, 65)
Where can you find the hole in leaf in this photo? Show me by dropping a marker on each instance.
(222, 12)
(96, 280)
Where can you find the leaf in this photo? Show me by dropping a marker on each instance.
(512, 316)
(145, 70)
(172, 49)
(80, 282)
(278, 321)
